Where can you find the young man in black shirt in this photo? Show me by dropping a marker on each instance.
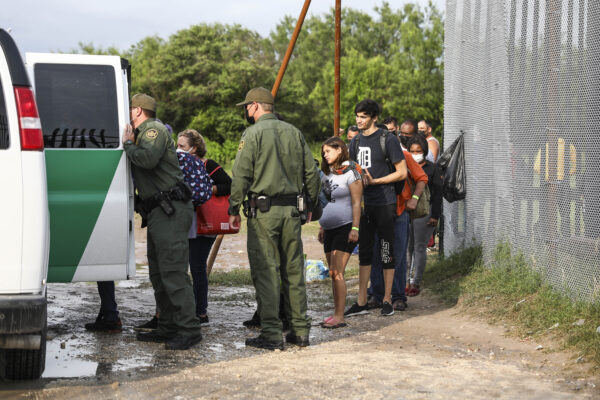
(382, 170)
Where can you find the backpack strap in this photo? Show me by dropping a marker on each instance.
(382, 139)
(213, 171)
(355, 144)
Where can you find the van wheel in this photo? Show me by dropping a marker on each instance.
(20, 364)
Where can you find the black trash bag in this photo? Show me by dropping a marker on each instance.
(455, 179)
(445, 157)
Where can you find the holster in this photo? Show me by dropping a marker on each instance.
(181, 192)
(138, 207)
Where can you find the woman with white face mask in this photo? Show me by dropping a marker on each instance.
(422, 229)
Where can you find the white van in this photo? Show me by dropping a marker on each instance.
(24, 232)
(83, 181)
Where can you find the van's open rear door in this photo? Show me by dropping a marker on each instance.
(84, 105)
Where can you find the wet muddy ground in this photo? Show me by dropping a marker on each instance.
(429, 351)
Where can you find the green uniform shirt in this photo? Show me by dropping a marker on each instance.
(154, 162)
(274, 160)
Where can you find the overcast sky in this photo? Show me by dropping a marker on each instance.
(59, 25)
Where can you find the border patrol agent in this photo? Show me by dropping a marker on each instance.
(165, 205)
(272, 165)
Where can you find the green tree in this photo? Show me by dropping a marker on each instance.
(200, 73)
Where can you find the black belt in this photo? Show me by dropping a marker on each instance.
(152, 202)
(287, 200)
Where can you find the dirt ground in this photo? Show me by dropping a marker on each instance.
(428, 352)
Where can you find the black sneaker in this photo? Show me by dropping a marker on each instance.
(387, 309)
(103, 325)
(400, 305)
(180, 342)
(149, 326)
(262, 343)
(203, 320)
(355, 309)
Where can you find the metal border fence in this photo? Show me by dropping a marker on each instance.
(522, 80)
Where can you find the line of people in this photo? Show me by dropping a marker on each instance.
(277, 183)
(394, 163)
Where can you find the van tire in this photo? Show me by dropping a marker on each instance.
(20, 364)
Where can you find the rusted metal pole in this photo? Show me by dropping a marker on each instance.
(338, 45)
(290, 48)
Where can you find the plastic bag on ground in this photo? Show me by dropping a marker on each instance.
(315, 270)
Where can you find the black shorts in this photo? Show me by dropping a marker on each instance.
(337, 239)
(377, 220)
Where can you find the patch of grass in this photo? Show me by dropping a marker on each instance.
(443, 275)
(311, 228)
(509, 290)
(237, 277)
(351, 272)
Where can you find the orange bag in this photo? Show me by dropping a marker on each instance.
(212, 217)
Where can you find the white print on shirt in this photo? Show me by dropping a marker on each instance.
(385, 252)
(364, 157)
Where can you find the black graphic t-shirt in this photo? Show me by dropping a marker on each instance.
(371, 157)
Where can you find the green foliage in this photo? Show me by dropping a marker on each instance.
(443, 275)
(200, 73)
(223, 153)
(237, 277)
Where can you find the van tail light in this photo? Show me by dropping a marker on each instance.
(30, 126)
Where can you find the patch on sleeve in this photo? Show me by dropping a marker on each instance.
(241, 146)
(151, 133)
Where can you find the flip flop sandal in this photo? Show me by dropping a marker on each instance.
(333, 324)
(326, 320)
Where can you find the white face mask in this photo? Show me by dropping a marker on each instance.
(181, 151)
(418, 158)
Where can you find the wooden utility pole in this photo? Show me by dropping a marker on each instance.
(290, 48)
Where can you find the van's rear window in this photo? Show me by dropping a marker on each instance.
(77, 105)
(4, 136)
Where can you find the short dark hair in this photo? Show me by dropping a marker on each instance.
(412, 123)
(369, 107)
(336, 143)
(149, 113)
(353, 128)
(427, 122)
(420, 140)
(390, 120)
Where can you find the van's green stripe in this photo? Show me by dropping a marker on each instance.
(78, 181)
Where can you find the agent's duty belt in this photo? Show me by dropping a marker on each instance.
(173, 194)
(264, 203)
(287, 200)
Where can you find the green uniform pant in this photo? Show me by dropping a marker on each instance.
(168, 257)
(277, 264)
